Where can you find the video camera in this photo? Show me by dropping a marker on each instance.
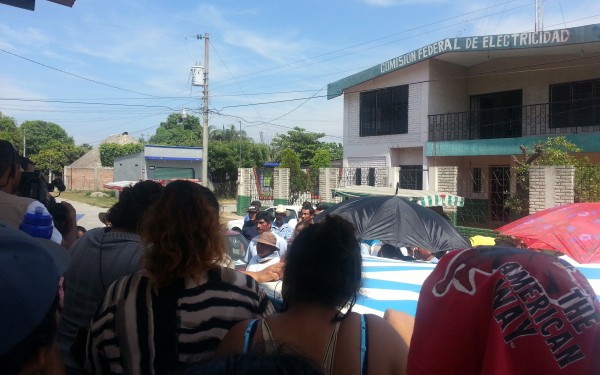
(34, 185)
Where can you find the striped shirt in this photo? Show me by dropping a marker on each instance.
(143, 330)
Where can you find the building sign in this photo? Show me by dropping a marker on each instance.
(583, 34)
(475, 43)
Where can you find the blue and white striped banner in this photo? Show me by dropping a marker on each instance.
(395, 284)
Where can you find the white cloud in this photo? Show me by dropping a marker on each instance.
(270, 47)
(21, 39)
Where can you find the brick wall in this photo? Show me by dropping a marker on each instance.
(328, 180)
(244, 193)
(382, 177)
(550, 186)
(447, 179)
(87, 179)
(281, 184)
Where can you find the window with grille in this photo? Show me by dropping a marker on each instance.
(575, 104)
(411, 177)
(371, 177)
(477, 178)
(384, 112)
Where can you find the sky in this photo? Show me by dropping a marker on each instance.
(106, 67)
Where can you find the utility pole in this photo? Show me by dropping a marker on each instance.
(205, 112)
(539, 15)
(240, 139)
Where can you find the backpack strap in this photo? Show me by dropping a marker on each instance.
(249, 335)
(363, 345)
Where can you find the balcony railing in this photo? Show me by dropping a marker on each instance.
(512, 122)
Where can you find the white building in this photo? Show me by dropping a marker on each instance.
(471, 102)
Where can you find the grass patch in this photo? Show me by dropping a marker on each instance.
(106, 202)
(85, 197)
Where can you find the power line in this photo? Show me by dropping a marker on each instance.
(73, 74)
(373, 40)
(381, 44)
(87, 103)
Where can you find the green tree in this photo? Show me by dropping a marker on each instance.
(304, 143)
(178, 131)
(322, 159)
(299, 180)
(225, 156)
(228, 134)
(10, 132)
(38, 134)
(555, 151)
(55, 155)
(86, 146)
(110, 151)
(335, 149)
(50, 159)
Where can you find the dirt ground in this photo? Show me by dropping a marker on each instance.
(228, 212)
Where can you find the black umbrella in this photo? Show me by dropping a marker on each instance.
(399, 222)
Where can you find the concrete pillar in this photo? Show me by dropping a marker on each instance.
(393, 176)
(328, 180)
(244, 193)
(281, 186)
(445, 180)
(550, 186)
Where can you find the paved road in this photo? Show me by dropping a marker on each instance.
(90, 213)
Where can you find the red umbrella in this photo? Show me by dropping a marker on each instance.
(573, 229)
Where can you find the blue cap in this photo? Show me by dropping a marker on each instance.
(29, 272)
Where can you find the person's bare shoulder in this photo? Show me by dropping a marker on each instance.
(402, 322)
(233, 342)
(387, 348)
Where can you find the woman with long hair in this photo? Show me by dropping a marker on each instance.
(321, 281)
(175, 311)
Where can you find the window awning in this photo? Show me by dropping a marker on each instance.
(422, 197)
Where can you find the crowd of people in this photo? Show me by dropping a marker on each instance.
(153, 293)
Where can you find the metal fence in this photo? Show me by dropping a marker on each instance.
(512, 122)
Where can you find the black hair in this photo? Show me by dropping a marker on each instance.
(81, 229)
(25, 161)
(133, 202)
(389, 251)
(306, 205)
(9, 159)
(323, 266)
(264, 215)
(392, 252)
(310, 209)
(13, 361)
(259, 362)
(322, 207)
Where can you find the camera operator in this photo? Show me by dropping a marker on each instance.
(13, 207)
